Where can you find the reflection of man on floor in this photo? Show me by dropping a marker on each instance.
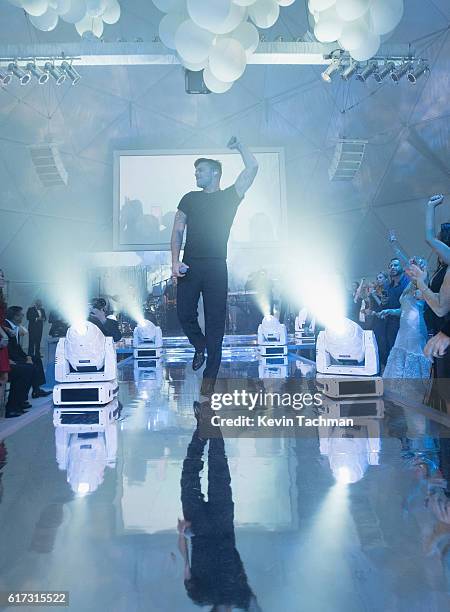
(208, 215)
(214, 575)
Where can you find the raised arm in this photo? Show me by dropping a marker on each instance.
(179, 224)
(438, 302)
(442, 250)
(247, 176)
(399, 252)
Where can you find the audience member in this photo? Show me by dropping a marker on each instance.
(4, 359)
(25, 372)
(398, 283)
(36, 318)
(107, 325)
(377, 298)
(58, 327)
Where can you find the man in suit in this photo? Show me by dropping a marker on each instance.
(25, 372)
(36, 317)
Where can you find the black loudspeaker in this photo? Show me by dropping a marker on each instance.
(194, 83)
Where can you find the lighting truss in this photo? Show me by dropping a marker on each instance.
(40, 70)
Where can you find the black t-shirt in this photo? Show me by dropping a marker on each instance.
(209, 220)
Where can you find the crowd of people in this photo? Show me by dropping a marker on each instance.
(408, 308)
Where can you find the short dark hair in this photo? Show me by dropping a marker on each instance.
(13, 311)
(212, 163)
(396, 259)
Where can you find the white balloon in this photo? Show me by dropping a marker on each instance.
(169, 6)
(84, 25)
(95, 8)
(76, 13)
(193, 43)
(168, 27)
(329, 26)
(112, 12)
(46, 22)
(349, 10)
(264, 13)
(235, 17)
(62, 6)
(209, 15)
(227, 59)
(368, 49)
(247, 34)
(385, 16)
(244, 2)
(320, 5)
(90, 24)
(285, 2)
(35, 7)
(97, 26)
(354, 33)
(214, 84)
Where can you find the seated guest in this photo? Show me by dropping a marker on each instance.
(25, 373)
(108, 326)
(58, 327)
(4, 359)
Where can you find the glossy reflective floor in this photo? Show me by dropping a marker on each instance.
(96, 514)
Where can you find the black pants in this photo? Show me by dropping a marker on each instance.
(217, 514)
(23, 377)
(34, 340)
(208, 277)
(392, 326)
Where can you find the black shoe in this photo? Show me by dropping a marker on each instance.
(199, 360)
(11, 413)
(207, 387)
(25, 405)
(40, 393)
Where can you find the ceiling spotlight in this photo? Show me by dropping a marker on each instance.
(368, 70)
(348, 72)
(384, 72)
(330, 70)
(397, 74)
(417, 72)
(42, 77)
(59, 76)
(70, 71)
(24, 77)
(5, 77)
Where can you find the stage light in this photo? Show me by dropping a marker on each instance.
(367, 72)
(42, 77)
(347, 350)
(330, 70)
(55, 72)
(417, 72)
(384, 72)
(5, 77)
(70, 71)
(349, 71)
(24, 77)
(400, 72)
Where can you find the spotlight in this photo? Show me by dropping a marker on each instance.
(24, 77)
(384, 72)
(368, 70)
(417, 72)
(348, 72)
(70, 71)
(397, 74)
(59, 76)
(330, 70)
(5, 77)
(42, 77)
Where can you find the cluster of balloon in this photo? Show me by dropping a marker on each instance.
(358, 25)
(89, 16)
(216, 36)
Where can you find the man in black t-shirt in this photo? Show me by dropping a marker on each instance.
(208, 216)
